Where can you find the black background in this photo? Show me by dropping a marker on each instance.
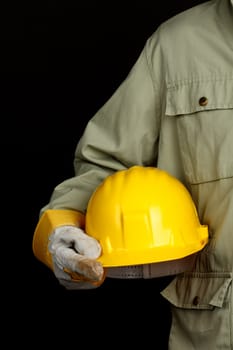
(60, 61)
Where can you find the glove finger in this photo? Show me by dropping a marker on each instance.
(87, 246)
(77, 239)
(67, 258)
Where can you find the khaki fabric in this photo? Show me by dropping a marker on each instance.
(174, 110)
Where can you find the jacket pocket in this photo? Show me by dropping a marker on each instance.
(202, 316)
(184, 98)
(203, 110)
(198, 290)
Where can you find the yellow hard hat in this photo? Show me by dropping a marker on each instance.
(144, 215)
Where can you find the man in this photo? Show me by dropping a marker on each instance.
(174, 111)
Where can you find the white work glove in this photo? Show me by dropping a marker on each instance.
(74, 255)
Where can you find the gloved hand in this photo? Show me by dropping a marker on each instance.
(74, 255)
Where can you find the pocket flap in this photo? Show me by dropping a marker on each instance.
(198, 290)
(195, 96)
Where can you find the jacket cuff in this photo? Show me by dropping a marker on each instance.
(50, 220)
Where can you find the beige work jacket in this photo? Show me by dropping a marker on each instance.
(174, 110)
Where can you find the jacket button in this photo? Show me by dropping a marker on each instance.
(196, 300)
(203, 101)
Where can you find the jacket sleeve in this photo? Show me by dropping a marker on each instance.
(123, 133)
